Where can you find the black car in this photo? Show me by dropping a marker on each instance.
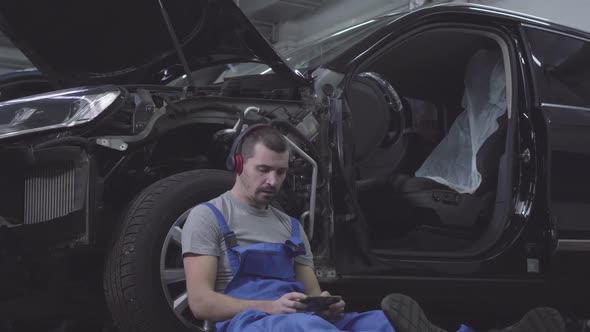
(439, 153)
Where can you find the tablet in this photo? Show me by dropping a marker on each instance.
(319, 303)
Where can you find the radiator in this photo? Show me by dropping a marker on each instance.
(49, 193)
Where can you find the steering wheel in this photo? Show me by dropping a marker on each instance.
(396, 108)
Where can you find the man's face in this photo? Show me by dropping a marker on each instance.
(263, 174)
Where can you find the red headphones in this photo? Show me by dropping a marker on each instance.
(235, 161)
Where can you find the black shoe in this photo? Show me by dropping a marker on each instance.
(405, 314)
(539, 320)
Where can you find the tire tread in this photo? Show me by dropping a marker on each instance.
(120, 295)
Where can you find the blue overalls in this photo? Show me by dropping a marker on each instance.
(264, 271)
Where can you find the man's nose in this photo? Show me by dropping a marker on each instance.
(272, 178)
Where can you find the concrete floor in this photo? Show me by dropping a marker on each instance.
(70, 324)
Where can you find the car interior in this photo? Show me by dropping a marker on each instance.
(435, 188)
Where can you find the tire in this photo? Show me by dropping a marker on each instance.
(136, 295)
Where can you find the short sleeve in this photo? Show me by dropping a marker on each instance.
(306, 259)
(201, 234)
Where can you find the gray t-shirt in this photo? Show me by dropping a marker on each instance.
(201, 234)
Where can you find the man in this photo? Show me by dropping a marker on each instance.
(264, 278)
(260, 258)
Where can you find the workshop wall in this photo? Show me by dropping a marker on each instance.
(573, 13)
(333, 16)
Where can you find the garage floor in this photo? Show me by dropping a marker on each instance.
(72, 325)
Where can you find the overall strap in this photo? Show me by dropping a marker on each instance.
(229, 236)
(295, 244)
(295, 237)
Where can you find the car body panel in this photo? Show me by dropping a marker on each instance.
(486, 262)
(560, 66)
(129, 42)
(399, 26)
(527, 238)
(448, 12)
(576, 116)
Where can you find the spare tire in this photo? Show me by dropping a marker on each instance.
(144, 281)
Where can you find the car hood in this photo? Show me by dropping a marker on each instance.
(126, 42)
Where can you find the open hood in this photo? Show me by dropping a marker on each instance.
(126, 42)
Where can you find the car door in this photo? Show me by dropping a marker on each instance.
(560, 62)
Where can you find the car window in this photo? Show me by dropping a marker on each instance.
(11, 58)
(561, 67)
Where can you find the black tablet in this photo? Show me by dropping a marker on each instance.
(319, 303)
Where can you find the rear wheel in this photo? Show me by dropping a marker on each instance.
(144, 278)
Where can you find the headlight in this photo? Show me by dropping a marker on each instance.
(59, 109)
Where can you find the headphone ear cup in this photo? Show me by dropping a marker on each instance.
(239, 163)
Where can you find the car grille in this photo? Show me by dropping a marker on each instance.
(49, 193)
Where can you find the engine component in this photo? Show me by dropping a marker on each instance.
(144, 110)
(309, 127)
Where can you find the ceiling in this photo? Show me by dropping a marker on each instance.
(266, 14)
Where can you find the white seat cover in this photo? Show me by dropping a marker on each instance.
(453, 161)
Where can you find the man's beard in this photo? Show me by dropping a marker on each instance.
(266, 194)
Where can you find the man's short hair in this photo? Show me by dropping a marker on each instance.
(270, 137)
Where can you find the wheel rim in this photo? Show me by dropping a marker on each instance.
(173, 279)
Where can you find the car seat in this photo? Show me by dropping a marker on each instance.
(457, 181)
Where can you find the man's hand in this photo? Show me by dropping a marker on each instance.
(206, 303)
(288, 304)
(335, 311)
